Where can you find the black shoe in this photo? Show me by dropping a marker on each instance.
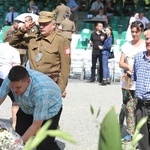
(92, 80)
(104, 82)
(100, 81)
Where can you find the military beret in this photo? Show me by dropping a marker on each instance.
(46, 16)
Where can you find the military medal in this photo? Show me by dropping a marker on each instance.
(38, 57)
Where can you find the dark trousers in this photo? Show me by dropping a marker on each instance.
(24, 121)
(143, 111)
(93, 68)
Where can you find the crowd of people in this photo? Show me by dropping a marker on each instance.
(38, 89)
(45, 80)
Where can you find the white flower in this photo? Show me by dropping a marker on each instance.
(8, 138)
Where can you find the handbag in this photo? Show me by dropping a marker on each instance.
(111, 55)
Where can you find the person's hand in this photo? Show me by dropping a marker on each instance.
(100, 47)
(64, 94)
(102, 38)
(27, 26)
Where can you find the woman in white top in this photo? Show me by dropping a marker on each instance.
(9, 57)
(132, 19)
(129, 50)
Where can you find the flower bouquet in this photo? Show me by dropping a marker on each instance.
(9, 139)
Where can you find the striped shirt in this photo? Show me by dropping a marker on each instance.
(141, 74)
(42, 98)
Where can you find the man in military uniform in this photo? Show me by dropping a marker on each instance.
(48, 51)
(34, 29)
(67, 27)
(10, 32)
(60, 10)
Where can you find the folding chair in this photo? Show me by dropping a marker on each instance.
(87, 63)
(115, 70)
(77, 64)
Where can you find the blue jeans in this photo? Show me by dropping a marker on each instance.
(106, 73)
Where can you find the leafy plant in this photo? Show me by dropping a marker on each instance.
(137, 135)
(110, 134)
(43, 133)
(147, 1)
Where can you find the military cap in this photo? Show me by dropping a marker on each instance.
(46, 16)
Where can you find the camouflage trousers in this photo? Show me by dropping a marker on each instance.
(128, 110)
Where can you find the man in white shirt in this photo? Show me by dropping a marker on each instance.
(143, 19)
(9, 57)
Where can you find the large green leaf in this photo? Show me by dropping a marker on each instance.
(110, 136)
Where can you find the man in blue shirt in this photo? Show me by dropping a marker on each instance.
(10, 17)
(141, 74)
(39, 99)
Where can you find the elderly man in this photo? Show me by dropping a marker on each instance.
(48, 51)
(39, 99)
(143, 19)
(141, 74)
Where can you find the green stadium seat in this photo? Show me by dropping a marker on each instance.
(114, 26)
(141, 8)
(2, 8)
(116, 35)
(143, 36)
(122, 42)
(125, 20)
(46, 9)
(1, 37)
(87, 25)
(123, 35)
(23, 9)
(4, 29)
(115, 19)
(2, 21)
(40, 5)
(6, 4)
(18, 5)
(86, 33)
(82, 43)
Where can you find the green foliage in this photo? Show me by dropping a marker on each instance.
(110, 137)
(92, 110)
(43, 133)
(137, 135)
(147, 1)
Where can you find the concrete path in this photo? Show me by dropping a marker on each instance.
(76, 118)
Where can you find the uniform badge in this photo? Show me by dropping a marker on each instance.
(38, 57)
(68, 51)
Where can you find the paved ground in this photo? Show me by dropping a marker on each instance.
(76, 117)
